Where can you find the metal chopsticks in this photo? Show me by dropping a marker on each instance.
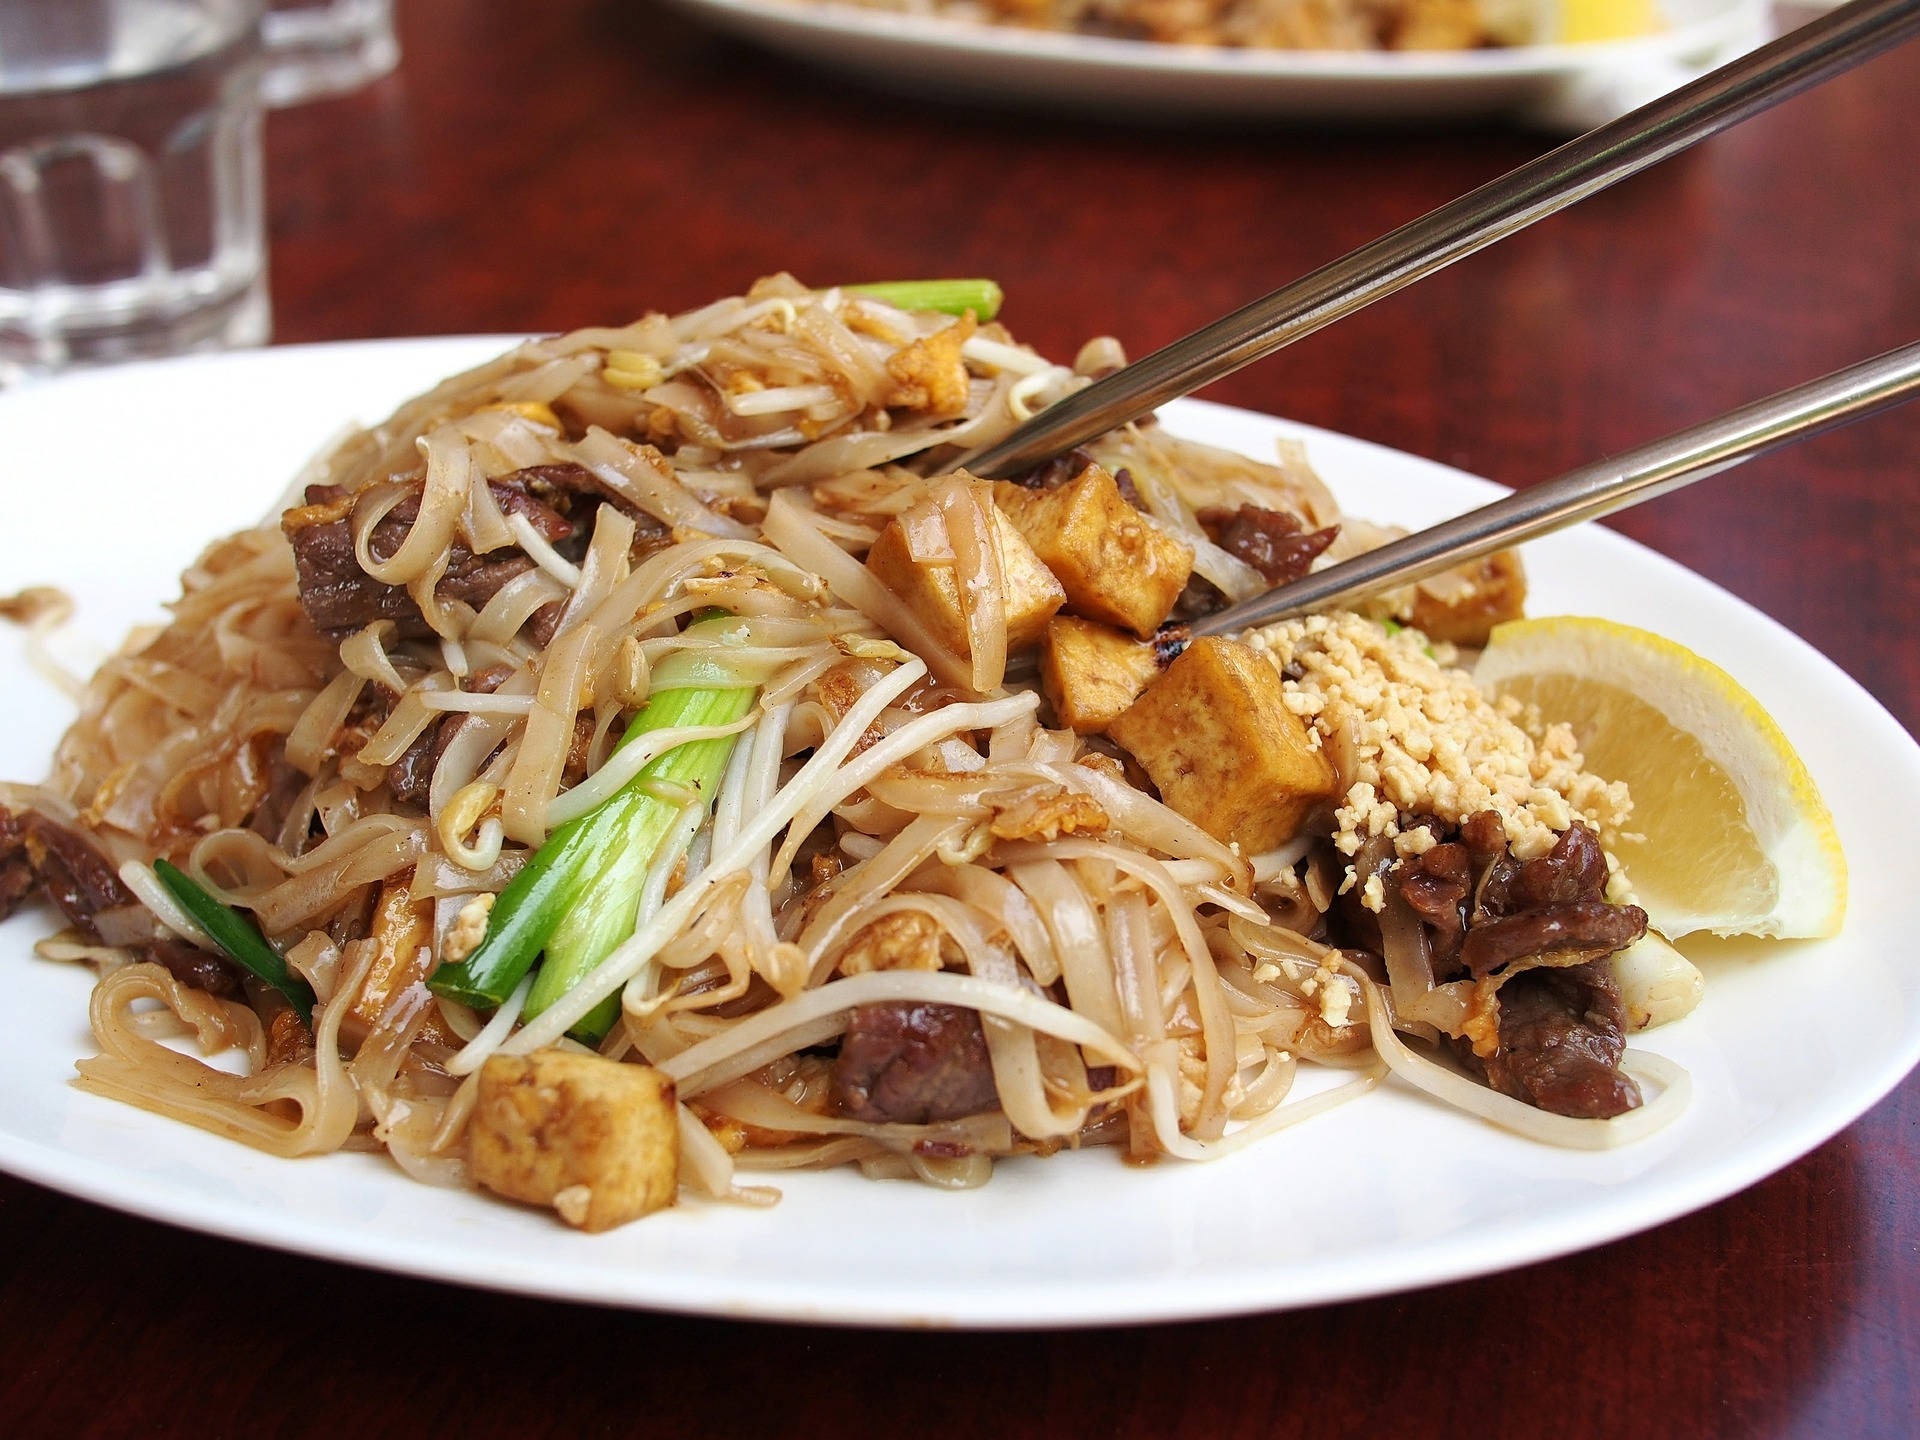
(1592, 490)
(1797, 61)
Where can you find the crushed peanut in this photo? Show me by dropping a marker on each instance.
(1414, 738)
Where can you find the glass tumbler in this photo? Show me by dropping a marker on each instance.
(325, 47)
(131, 215)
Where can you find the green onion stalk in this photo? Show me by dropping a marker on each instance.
(238, 936)
(577, 900)
(951, 297)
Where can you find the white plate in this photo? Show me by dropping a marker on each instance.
(116, 478)
(1563, 87)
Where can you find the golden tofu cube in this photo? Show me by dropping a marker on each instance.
(929, 590)
(1214, 734)
(598, 1140)
(1494, 592)
(1091, 673)
(1114, 564)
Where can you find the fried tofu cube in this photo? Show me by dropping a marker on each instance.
(928, 588)
(596, 1139)
(1091, 673)
(1114, 564)
(1494, 591)
(1214, 734)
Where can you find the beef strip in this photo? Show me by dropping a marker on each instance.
(284, 786)
(1271, 541)
(82, 882)
(214, 974)
(1436, 886)
(16, 870)
(1560, 1026)
(1591, 928)
(1553, 904)
(411, 776)
(74, 875)
(1052, 474)
(911, 1063)
(1562, 1033)
(339, 597)
(1199, 599)
(1574, 870)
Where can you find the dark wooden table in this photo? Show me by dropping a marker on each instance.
(536, 167)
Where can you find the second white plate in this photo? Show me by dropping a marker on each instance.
(1561, 87)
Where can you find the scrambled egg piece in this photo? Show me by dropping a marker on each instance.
(929, 374)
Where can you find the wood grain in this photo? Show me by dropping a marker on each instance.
(539, 167)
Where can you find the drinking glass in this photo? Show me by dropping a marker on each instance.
(131, 218)
(324, 47)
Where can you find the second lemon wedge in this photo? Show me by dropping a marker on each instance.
(1728, 831)
(1585, 21)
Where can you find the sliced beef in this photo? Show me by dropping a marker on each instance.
(1560, 1025)
(1562, 1033)
(82, 883)
(76, 876)
(1588, 927)
(339, 597)
(1554, 904)
(1574, 870)
(1485, 910)
(911, 1063)
(577, 492)
(1271, 541)
(1199, 599)
(214, 974)
(1436, 886)
(411, 776)
(1052, 474)
(16, 870)
(284, 787)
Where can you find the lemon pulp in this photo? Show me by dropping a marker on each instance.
(1728, 831)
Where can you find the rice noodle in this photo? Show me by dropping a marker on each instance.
(1675, 1088)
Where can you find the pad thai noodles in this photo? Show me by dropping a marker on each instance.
(606, 778)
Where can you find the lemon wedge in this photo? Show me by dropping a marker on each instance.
(1728, 831)
(1583, 22)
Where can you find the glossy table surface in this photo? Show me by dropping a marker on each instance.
(539, 167)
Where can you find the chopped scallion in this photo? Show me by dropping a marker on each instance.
(951, 297)
(238, 936)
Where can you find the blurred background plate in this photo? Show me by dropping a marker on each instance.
(1564, 87)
